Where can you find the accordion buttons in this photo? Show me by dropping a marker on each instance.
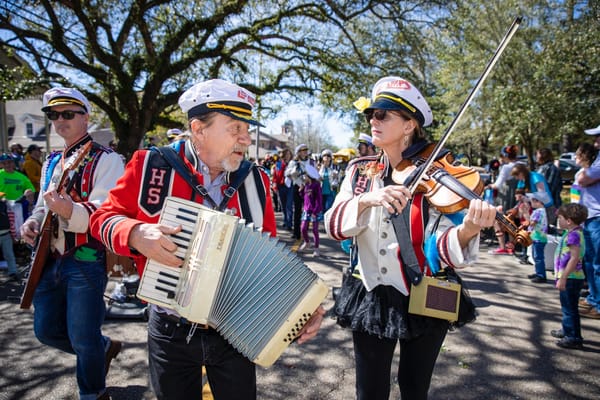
(383, 270)
(382, 252)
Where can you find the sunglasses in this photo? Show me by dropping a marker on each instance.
(379, 115)
(66, 115)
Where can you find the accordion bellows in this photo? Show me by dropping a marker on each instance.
(243, 283)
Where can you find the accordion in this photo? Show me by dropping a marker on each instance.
(243, 283)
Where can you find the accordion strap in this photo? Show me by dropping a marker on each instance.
(172, 158)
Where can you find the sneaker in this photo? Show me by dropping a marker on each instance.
(114, 348)
(538, 279)
(531, 276)
(499, 251)
(557, 333)
(568, 343)
(302, 246)
(583, 304)
(590, 313)
(316, 253)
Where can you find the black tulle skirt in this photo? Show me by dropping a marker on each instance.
(382, 312)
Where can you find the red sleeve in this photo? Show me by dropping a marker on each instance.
(113, 221)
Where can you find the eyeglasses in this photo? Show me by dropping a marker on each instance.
(66, 115)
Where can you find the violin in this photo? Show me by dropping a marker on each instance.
(450, 187)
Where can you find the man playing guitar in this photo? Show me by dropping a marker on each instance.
(68, 299)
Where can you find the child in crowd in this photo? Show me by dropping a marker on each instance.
(568, 268)
(520, 215)
(313, 205)
(538, 231)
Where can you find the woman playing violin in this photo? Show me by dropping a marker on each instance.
(373, 301)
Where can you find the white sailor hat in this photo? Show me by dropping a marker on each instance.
(59, 96)
(593, 131)
(396, 93)
(366, 139)
(173, 133)
(219, 96)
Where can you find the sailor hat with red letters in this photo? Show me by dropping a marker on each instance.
(217, 95)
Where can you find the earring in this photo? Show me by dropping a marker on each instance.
(406, 140)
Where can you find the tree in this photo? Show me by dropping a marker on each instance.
(545, 85)
(134, 58)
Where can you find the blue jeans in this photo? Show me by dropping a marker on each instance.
(176, 367)
(569, 305)
(287, 204)
(69, 311)
(8, 252)
(591, 232)
(538, 258)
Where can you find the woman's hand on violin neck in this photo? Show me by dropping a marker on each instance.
(480, 215)
(392, 197)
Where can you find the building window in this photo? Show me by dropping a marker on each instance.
(29, 127)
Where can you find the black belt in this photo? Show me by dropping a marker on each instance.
(183, 322)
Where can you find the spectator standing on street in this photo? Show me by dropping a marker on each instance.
(32, 166)
(16, 152)
(329, 179)
(365, 145)
(550, 172)
(7, 241)
(568, 269)
(312, 206)
(584, 157)
(505, 187)
(68, 303)
(589, 180)
(295, 171)
(284, 188)
(538, 231)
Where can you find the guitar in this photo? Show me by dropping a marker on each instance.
(42, 249)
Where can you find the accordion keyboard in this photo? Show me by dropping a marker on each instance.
(160, 281)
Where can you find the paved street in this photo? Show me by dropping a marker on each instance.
(507, 353)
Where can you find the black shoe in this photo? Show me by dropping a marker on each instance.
(113, 349)
(557, 333)
(538, 279)
(531, 276)
(567, 343)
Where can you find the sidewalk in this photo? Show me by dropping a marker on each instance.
(507, 353)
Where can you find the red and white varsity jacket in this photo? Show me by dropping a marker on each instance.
(139, 195)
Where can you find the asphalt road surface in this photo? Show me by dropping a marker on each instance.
(507, 353)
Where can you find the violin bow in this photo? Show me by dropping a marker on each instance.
(412, 186)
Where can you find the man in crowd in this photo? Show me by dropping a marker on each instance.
(365, 145)
(296, 171)
(219, 114)
(590, 182)
(69, 304)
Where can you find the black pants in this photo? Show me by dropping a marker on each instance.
(298, 205)
(373, 357)
(176, 366)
